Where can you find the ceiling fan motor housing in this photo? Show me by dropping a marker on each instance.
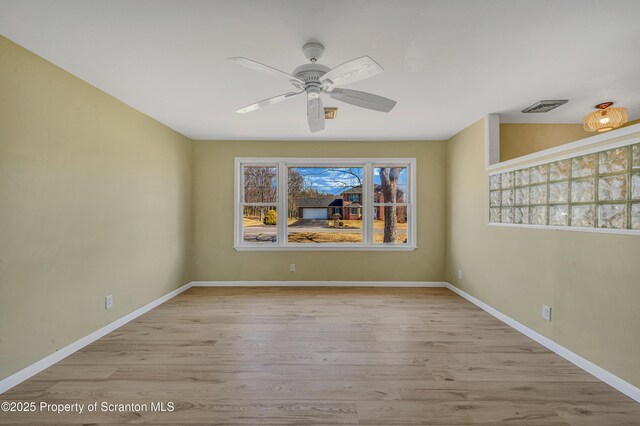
(313, 51)
(311, 74)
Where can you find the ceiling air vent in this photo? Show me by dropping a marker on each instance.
(330, 113)
(544, 106)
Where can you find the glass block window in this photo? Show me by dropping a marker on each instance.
(636, 156)
(635, 216)
(539, 174)
(583, 166)
(522, 177)
(559, 170)
(599, 190)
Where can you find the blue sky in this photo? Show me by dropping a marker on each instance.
(334, 180)
(402, 181)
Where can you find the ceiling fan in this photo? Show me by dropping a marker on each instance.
(315, 79)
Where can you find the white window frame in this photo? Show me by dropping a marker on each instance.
(282, 165)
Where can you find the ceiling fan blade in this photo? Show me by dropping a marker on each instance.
(315, 113)
(352, 71)
(267, 70)
(363, 99)
(267, 102)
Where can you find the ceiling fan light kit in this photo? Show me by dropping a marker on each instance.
(605, 118)
(316, 79)
(330, 113)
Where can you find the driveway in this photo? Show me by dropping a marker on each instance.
(250, 230)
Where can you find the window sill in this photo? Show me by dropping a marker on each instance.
(569, 228)
(325, 247)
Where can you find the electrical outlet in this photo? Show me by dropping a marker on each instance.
(292, 267)
(546, 312)
(459, 274)
(108, 302)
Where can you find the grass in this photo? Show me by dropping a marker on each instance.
(346, 224)
(249, 221)
(331, 237)
(335, 237)
(377, 224)
(252, 221)
(400, 238)
(324, 237)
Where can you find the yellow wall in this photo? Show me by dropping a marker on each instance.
(590, 280)
(94, 200)
(517, 140)
(216, 258)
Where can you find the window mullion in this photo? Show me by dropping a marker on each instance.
(367, 204)
(238, 191)
(283, 207)
(412, 209)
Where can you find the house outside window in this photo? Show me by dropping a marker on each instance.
(290, 203)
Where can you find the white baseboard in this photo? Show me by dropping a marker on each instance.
(318, 284)
(609, 378)
(59, 355)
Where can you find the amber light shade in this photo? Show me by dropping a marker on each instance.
(605, 119)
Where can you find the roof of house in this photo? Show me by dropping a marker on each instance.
(358, 189)
(316, 202)
(354, 190)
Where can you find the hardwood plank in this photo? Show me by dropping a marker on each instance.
(517, 391)
(224, 347)
(202, 331)
(191, 373)
(206, 411)
(232, 390)
(494, 412)
(186, 357)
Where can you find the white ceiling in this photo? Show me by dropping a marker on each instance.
(447, 63)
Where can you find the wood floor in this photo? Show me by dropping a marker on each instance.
(322, 356)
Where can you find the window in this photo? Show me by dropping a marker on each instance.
(258, 206)
(594, 190)
(313, 189)
(391, 202)
(298, 204)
